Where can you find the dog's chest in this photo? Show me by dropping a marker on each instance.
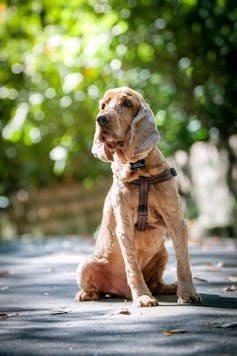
(154, 218)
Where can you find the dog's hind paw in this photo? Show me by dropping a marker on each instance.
(163, 289)
(145, 301)
(87, 295)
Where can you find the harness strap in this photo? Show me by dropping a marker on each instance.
(142, 207)
(143, 183)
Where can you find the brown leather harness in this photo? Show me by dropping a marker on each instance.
(143, 183)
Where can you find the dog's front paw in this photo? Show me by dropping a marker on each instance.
(145, 301)
(87, 295)
(189, 297)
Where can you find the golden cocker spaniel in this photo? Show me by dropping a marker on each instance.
(141, 206)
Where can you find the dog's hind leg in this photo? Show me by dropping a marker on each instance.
(90, 277)
(96, 278)
(153, 274)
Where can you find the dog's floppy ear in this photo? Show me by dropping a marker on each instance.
(143, 133)
(99, 149)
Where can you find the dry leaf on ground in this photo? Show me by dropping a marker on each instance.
(230, 288)
(4, 273)
(7, 315)
(3, 315)
(175, 331)
(232, 279)
(228, 325)
(200, 279)
(124, 311)
(63, 310)
(215, 267)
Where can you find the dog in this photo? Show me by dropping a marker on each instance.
(141, 206)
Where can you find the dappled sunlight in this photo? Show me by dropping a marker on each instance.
(38, 313)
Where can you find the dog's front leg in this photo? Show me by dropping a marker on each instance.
(171, 211)
(186, 291)
(141, 295)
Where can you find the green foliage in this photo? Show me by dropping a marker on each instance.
(57, 58)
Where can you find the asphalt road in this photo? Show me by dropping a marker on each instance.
(38, 315)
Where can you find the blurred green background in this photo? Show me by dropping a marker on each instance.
(56, 60)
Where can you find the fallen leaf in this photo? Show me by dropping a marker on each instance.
(175, 331)
(57, 312)
(60, 311)
(4, 273)
(215, 267)
(3, 315)
(200, 279)
(232, 278)
(7, 315)
(228, 325)
(124, 311)
(230, 288)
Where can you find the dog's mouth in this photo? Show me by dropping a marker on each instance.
(111, 141)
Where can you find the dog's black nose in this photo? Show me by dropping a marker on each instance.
(103, 119)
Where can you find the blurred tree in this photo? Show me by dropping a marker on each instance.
(58, 58)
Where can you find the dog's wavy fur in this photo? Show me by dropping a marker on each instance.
(128, 262)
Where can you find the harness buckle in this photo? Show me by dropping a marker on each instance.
(142, 209)
(137, 165)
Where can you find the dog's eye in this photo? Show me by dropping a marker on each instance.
(127, 103)
(102, 106)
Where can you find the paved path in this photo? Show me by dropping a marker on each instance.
(39, 317)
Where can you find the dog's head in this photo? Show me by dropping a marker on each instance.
(125, 124)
